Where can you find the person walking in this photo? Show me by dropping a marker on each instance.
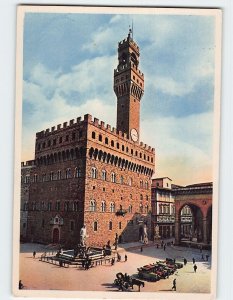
(34, 254)
(118, 257)
(164, 247)
(141, 249)
(195, 268)
(174, 285)
(194, 260)
(112, 261)
(126, 257)
(185, 261)
(207, 257)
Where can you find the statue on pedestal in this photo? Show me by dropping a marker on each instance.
(83, 236)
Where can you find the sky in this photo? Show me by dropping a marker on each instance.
(68, 63)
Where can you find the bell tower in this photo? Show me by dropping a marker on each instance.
(128, 87)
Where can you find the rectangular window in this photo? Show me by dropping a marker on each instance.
(119, 225)
(72, 225)
(95, 226)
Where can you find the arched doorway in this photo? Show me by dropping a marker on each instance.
(189, 224)
(56, 237)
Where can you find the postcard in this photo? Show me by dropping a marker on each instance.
(116, 152)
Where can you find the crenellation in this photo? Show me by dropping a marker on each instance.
(102, 124)
(96, 121)
(88, 118)
(114, 130)
(71, 122)
(108, 127)
(79, 120)
(64, 125)
(53, 129)
(58, 126)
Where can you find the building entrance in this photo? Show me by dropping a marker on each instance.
(55, 236)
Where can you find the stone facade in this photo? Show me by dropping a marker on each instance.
(90, 173)
(26, 171)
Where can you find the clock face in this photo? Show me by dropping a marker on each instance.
(134, 134)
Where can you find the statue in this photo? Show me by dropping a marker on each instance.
(145, 235)
(83, 236)
(156, 236)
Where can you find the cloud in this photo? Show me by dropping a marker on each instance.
(183, 146)
(68, 72)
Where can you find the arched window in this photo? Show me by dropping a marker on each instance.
(66, 206)
(147, 198)
(92, 205)
(43, 177)
(122, 179)
(58, 174)
(93, 134)
(68, 173)
(95, 226)
(77, 173)
(146, 185)
(35, 177)
(100, 138)
(112, 207)
(93, 172)
(104, 175)
(106, 141)
(112, 143)
(51, 176)
(123, 148)
(130, 209)
(113, 177)
(103, 206)
(75, 206)
(118, 145)
(110, 225)
(49, 206)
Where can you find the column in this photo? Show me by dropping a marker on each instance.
(177, 230)
(204, 220)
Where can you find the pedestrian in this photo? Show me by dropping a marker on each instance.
(126, 258)
(185, 261)
(21, 286)
(141, 249)
(116, 241)
(207, 257)
(157, 246)
(202, 256)
(195, 268)
(34, 254)
(83, 263)
(194, 260)
(174, 285)
(118, 257)
(164, 247)
(112, 261)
